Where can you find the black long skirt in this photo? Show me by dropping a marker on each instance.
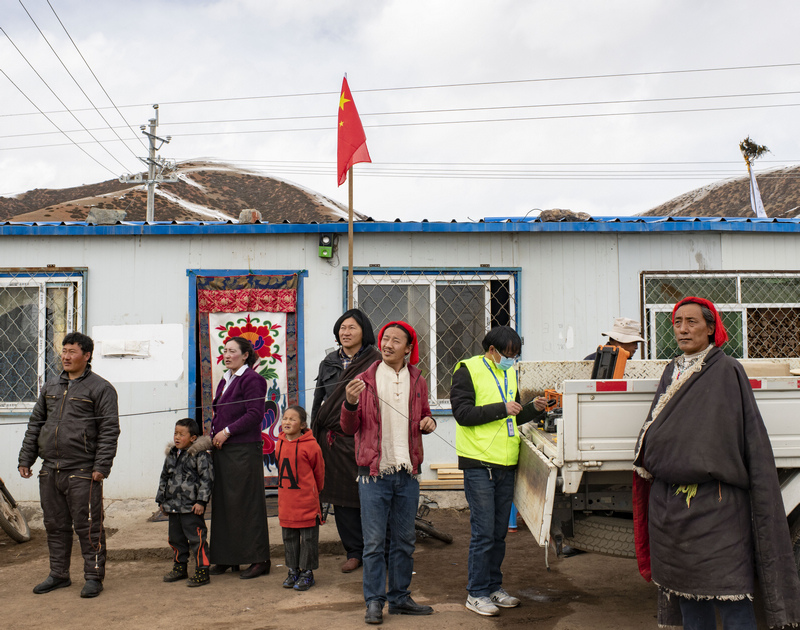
(239, 533)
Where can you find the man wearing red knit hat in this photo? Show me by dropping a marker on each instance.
(707, 508)
(386, 408)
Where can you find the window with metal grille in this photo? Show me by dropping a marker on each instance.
(451, 310)
(760, 311)
(38, 307)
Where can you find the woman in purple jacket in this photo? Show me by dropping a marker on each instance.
(239, 533)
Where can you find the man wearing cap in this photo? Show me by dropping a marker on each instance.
(625, 334)
(386, 408)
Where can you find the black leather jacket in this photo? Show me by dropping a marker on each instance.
(75, 424)
(328, 378)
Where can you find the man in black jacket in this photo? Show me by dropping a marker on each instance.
(74, 428)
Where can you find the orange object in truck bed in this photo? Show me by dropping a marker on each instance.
(609, 363)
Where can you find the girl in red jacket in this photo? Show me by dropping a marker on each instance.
(301, 474)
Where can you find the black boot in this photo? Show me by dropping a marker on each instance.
(199, 578)
(178, 573)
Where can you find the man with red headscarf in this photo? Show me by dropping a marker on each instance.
(708, 512)
(386, 408)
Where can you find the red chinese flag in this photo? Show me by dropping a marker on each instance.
(352, 140)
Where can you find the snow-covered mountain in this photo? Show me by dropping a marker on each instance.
(780, 192)
(206, 191)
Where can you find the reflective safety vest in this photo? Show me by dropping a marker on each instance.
(490, 442)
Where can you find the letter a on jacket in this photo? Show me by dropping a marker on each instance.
(301, 475)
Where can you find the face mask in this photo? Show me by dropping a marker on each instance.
(505, 364)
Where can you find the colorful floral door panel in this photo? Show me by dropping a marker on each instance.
(263, 310)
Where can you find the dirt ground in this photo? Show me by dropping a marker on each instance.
(580, 593)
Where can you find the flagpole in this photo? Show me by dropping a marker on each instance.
(350, 238)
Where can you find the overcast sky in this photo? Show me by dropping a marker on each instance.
(256, 82)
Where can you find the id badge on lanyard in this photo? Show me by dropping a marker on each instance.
(505, 395)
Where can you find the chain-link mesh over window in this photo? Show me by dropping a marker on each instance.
(37, 309)
(760, 311)
(450, 310)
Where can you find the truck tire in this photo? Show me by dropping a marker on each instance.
(600, 534)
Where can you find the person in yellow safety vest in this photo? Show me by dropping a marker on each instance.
(486, 405)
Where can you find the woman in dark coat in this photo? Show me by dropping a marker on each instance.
(239, 533)
(357, 351)
(708, 512)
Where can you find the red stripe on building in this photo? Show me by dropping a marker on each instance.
(755, 383)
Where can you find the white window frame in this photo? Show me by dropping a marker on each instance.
(43, 280)
(650, 309)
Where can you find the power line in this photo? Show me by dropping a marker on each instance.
(497, 120)
(60, 101)
(456, 122)
(448, 85)
(108, 96)
(451, 110)
(762, 161)
(489, 171)
(71, 141)
(71, 76)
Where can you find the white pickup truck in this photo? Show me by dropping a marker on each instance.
(574, 485)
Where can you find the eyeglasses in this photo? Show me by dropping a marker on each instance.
(515, 357)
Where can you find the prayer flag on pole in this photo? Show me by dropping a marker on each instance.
(352, 140)
(755, 196)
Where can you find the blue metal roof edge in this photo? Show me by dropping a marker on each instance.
(489, 225)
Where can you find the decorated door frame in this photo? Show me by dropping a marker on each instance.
(241, 289)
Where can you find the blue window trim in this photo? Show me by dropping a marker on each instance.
(192, 274)
(431, 271)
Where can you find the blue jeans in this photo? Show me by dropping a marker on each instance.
(389, 499)
(699, 614)
(489, 492)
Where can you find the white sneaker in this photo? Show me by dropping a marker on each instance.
(503, 599)
(482, 606)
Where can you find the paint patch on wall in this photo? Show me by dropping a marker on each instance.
(138, 353)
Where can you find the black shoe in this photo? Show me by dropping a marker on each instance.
(254, 570)
(219, 569)
(51, 584)
(304, 581)
(199, 578)
(410, 607)
(374, 613)
(291, 578)
(178, 573)
(92, 588)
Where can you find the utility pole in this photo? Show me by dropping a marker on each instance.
(156, 166)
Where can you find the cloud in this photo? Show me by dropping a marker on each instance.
(185, 54)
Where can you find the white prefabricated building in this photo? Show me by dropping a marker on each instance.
(134, 288)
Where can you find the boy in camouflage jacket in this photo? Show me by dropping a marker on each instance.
(183, 492)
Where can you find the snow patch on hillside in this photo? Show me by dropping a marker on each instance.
(187, 180)
(196, 208)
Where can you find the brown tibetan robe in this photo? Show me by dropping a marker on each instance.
(710, 433)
